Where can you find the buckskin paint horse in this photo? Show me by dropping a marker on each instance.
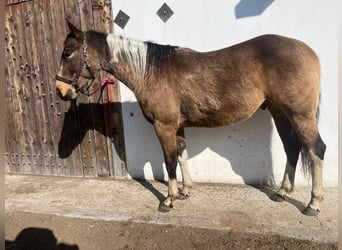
(179, 87)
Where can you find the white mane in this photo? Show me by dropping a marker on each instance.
(135, 51)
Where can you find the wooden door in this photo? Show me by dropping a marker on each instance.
(45, 135)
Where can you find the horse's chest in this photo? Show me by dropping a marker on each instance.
(164, 110)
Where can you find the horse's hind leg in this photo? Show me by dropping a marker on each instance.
(313, 154)
(182, 155)
(292, 146)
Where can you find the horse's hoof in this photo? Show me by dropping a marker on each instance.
(164, 208)
(183, 196)
(309, 211)
(277, 197)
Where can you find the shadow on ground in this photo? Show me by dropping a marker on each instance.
(37, 239)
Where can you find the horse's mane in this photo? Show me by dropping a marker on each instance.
(157, 53)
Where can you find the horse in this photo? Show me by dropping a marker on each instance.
(179, 87)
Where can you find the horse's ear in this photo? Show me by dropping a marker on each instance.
(74, 30)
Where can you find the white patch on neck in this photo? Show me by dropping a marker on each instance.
(135, 51)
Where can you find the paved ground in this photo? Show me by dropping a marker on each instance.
(226, 208)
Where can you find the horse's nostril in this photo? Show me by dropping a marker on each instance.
(59, 93)
(66, 97)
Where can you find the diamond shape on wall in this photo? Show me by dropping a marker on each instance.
(121, 19)
(165, 12)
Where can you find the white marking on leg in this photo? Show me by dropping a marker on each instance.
(317, 179)
(173, 188)
(168, 201)
(183, 162)
(187, 182)
(172, 193)
(287, 184)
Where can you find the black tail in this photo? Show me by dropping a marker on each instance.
(307, 163)
(318, 111)
(319, 150)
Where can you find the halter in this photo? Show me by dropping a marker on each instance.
(84, 61)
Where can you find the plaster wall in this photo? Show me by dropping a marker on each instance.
(250, 151)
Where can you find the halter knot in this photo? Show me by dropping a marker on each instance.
(104, 83)
(107, 81)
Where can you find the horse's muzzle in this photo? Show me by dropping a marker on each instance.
(65, 91)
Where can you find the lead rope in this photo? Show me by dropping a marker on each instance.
(104, 84)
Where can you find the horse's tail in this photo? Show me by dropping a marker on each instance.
(317, 111)
(306, 157)
(307, 162)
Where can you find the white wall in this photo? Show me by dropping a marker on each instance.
(251, 151)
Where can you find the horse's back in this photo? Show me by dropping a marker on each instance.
(228, 85)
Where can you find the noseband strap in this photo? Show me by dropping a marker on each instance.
(84, 62)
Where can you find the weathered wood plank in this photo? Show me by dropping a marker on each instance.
(17, 67)
(88, 146)
(32, 114)
(15, 2)
(96, 134)
(119, 141)
(73, 150)
(66, 164)
(114, 129)
(118, 129)
(11, 137)
(69, 143)
(46, 98)
(102, 125)
(72, 12)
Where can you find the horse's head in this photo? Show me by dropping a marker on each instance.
(76, 70)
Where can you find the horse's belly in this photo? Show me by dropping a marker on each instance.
(216, 118)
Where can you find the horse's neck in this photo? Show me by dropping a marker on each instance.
(128, 61)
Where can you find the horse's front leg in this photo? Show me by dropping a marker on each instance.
(182, 155)
(167, 138)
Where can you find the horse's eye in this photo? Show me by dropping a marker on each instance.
(67, 53)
